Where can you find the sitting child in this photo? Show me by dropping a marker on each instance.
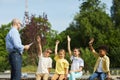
(45, 62)
(62, 65)
(77, 62)
(102, 65)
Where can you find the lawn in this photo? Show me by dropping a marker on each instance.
(32, 69)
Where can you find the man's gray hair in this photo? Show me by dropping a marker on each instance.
(15, 21)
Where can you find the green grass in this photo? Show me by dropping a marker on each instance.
(52, 70)
(29, 68)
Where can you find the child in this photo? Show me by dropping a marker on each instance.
(77, 62)
(62, 64)
(45, 62)
(101, 68)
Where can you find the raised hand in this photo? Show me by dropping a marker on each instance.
(57, 42)
(38, 39)
(91, 41)
(68, 38)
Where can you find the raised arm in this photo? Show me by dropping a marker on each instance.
(39, 46)
(56, 46)
(69, 49)
(91, 43)
(91, 47)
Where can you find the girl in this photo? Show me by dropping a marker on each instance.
(62, 64)
(77, 62)
(45, 62)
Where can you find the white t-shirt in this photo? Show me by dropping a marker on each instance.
(99, 69)
(76, 63)
(44, 64)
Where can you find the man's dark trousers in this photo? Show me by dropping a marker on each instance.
(15, 60)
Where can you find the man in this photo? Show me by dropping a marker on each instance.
(15, 49)
(45, 62)
(101, 69)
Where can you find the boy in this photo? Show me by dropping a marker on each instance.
(101, 69)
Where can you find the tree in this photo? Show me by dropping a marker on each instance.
(3, 53)
(89, 59)
(114, 47)
(115, 13)
(93, 21)
(37, 26)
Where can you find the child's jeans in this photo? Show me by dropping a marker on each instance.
(100, 75)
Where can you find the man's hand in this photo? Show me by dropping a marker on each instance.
(26, 47)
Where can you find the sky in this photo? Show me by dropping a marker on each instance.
(60, 12)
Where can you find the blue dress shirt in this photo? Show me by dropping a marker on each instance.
(13, 41)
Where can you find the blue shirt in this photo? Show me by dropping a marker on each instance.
(13, 41)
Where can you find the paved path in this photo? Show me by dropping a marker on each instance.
(6, 76)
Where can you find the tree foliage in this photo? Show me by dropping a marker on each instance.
(115, 12)
(3, 53)
(93, 21)
(37, 26)
(89, 59)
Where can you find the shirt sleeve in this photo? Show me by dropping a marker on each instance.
(71, 58)
(81, 62)
(17, 41)
(66, 64)
(56, 57)
(108, 63)
(40, 56)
